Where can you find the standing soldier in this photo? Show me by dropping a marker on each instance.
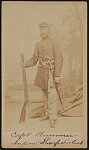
(47, 52)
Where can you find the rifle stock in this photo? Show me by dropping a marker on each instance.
(26, 99)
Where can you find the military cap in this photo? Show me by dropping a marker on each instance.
(43, 25)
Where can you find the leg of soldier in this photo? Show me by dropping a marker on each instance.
(45, 99)
(52, 105)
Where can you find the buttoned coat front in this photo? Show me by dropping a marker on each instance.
(45, 49)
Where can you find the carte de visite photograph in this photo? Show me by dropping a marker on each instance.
(44, 74)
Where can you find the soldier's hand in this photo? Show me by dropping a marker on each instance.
(57, 79)
(22, 64)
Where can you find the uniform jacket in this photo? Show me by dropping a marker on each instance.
(45, 50)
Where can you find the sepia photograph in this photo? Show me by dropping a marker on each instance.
(44, 74)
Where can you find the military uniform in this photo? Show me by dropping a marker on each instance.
(45, 51)
(48, 53)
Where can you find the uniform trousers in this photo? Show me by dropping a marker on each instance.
(51, 103)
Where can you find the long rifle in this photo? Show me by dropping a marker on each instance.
(26, 99)
(56, 86)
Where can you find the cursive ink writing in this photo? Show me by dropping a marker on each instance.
(43, 138)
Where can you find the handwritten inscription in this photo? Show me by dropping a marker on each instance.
(43, 138)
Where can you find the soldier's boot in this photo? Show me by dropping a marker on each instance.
(44, 117)
(52, 123)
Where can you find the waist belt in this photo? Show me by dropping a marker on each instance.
(47, 63)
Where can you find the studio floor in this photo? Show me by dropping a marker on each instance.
(12, 115)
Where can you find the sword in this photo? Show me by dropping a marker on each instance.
(56, 86)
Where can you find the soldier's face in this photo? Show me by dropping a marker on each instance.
(44, 32)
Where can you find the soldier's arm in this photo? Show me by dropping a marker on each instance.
(58, 59)
(33, 61)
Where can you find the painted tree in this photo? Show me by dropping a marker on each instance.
(73, 20)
